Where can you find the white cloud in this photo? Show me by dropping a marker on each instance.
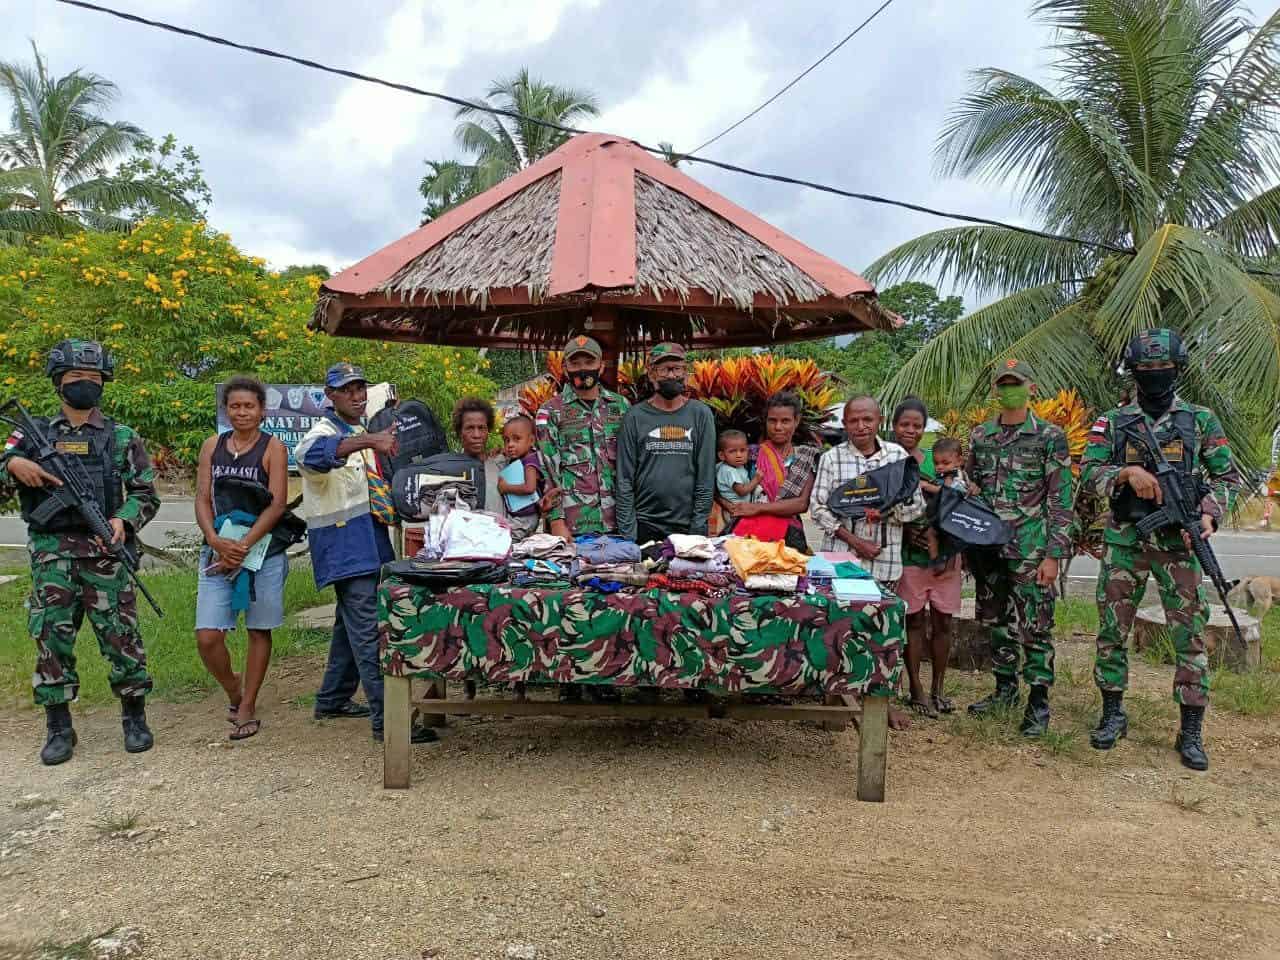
(714, 82)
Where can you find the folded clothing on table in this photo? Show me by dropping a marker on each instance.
(662, 581)
(531, 572)
(601, 548)
(772, 582)
(692, 547)
(760, 556)
(718, 564)
(546, 546)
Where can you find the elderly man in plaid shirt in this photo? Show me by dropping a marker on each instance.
(877, 539)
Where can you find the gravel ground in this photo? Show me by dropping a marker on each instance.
(547, 838)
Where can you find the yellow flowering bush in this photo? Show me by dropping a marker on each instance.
(181, 308)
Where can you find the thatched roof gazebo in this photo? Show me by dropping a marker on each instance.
(600, 237)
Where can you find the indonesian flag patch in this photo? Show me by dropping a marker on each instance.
(15, 438)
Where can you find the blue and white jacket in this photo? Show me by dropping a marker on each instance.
(345, 540)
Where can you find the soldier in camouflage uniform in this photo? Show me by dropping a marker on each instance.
(72, 574)
(1118, 467)
(578, 443)
(1021, 466)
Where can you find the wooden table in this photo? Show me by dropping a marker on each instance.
(788, 645)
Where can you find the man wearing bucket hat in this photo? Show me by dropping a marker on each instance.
(347, 531)
(1021, 467)
(1119, 466)
(577, 433)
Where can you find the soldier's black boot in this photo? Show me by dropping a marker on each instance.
(62, 736)
(1190, 743)
(133, 716)
(1005, 695)
(1114, 723)
(1035, 719)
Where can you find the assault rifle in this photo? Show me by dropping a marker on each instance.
(1181, 494)
(76, 491)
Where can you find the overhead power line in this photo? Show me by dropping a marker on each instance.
(800, 76)
(484, 107)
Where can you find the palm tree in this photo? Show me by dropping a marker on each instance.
(1158, 150)
(503, 145)
(56, 162)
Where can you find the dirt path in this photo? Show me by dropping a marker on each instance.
(616, 840)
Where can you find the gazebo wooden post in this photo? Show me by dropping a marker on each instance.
(606, 328)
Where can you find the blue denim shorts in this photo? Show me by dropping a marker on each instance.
(213, 596)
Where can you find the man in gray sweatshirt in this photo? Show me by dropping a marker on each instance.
(666, 456)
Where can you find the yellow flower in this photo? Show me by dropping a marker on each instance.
(116, 326)
(9, 381)
(152, 283)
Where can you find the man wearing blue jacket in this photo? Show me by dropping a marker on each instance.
(349, 544)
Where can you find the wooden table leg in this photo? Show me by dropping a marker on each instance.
(835, 700)
(395, 733)
(436, 690)
(873, 748)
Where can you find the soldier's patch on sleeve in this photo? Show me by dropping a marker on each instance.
(1099, 426)
(541, 419)
(15, 438)
(1216, 441)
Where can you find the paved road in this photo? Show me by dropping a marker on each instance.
(178, 516)
(1241, 554)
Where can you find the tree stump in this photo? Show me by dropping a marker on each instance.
(1220, 642)
(970, 643)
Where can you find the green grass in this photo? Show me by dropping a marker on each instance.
(118, 822)
(175, 664)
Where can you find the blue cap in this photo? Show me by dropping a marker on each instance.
(340, 374)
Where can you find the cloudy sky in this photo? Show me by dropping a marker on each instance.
(307, 167)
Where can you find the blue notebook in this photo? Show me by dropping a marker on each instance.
(513, 472)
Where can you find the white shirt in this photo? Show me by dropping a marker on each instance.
(844, 463)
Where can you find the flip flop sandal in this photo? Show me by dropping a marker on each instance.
(244, 731)
(943, 705)
(924, 708)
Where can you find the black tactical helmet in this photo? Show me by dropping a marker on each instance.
(1153, 346)
(80, 355)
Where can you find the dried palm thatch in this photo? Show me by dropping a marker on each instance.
(510, 246)
(682, 246)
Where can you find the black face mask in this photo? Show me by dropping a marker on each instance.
(584, 379)
(670, 389)
(82, 394)
(1155, 389)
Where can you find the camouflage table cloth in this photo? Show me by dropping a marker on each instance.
(759, 644)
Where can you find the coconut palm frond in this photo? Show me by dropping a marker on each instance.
(1238, 337)
(1231, 149)
(1253, 228)
(943, 372)
(1166, 280)
(993, 259)
(111, 194)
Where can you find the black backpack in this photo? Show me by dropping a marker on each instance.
(969, 521)
(418, 433)
(236, 493)
(880, 489)
(416, 487)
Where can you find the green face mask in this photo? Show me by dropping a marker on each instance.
(1013, 396)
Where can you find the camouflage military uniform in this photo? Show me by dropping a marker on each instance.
(1127, 561)
(73, 576)
(578, 443)
(1024, 473)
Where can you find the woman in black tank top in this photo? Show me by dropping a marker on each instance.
(246, 453)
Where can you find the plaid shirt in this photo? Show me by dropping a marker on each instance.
(844, 463)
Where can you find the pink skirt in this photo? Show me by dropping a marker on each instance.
(920, 586)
